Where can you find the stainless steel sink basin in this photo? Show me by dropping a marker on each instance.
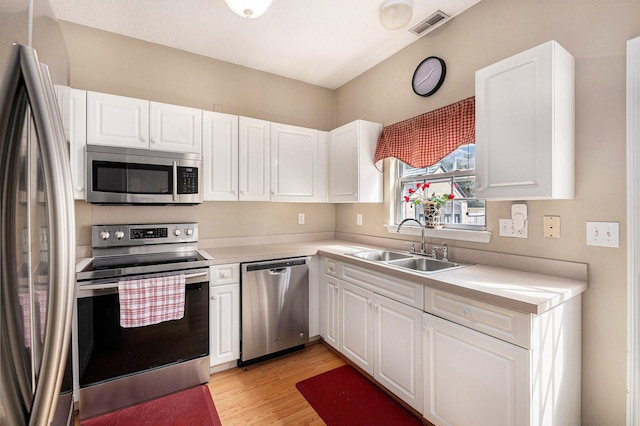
(381, 255)
(410, 261)
(424, 264)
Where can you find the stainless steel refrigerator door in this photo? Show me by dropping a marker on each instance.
(275, 309)
(37, 251)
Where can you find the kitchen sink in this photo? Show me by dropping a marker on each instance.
(382, 255)
(410, 261)
(423, 264)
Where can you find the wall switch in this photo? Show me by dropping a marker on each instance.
(605, 234)
(359, 219)
(506, 228)
(300, 218)
(551, 225)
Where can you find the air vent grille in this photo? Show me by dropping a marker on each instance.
(430, 23)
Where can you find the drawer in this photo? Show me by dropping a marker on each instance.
(403, 291)
(331, 267)
(504, 324)
(224, 274)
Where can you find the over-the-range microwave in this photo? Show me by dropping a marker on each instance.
(137, 176)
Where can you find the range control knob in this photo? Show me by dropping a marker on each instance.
(119, 235)
(177, 232)
(189, 231)
(105, 235)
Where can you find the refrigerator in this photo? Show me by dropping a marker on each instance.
(37, 229)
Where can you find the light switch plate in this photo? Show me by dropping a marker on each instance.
(300, 218)
(359, 219)
(604, 234)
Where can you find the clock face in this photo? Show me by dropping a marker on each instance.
(429, 76)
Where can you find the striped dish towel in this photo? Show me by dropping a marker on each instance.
(150, 301)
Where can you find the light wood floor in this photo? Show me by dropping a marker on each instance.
(265, 393)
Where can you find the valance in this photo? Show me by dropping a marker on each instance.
(424, 140)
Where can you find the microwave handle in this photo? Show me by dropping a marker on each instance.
(175, 181)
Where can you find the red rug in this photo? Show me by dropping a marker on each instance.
(344, 397)
(193, 407)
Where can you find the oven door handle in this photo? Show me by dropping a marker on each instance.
(106, 286)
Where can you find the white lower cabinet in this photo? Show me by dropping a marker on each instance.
(329, 311)
(456, 360)
(224, 314)
(382, 337)
(471, 378)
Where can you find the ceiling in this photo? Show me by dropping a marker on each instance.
(322, 42)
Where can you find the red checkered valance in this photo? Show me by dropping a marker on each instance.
(424, 140)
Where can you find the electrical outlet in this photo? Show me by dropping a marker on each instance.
(300, 218)
(506, 228)
(551, 225)
(359, 219)
(605, 234)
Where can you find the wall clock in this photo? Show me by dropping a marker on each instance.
(429, 76)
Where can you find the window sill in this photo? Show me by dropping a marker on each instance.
(447, 234)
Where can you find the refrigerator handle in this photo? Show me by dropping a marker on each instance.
(25, 75)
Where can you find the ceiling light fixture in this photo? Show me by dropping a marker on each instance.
(249, 8)
(395, 14)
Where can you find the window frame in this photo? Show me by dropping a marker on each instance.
(450, 177)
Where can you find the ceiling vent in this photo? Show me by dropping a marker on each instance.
(430, 23)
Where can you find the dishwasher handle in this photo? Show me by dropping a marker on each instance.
(278, 271)
(274, 265)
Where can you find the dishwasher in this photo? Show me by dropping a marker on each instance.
(274, 308)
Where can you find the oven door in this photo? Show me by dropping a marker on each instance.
(107, 351)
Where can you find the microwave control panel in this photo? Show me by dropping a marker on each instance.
(187, 180)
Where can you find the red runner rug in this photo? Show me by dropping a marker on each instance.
(193, 407)
(344, 397)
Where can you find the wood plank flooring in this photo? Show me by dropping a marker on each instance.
(265, 393)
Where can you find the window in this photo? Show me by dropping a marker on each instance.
(454, 174)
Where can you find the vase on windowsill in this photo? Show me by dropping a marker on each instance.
(431, 215)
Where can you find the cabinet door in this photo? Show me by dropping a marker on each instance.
(356, 325)
(117, 121)
(398, 349)
(343, 163)
(295, 164)
(175, 128)
(330, 314)
(73, 108)
(525, 126)
(224, 323)
(471, 378)
(220, 156)
(255, 158)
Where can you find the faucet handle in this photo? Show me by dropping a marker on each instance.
(412, 247)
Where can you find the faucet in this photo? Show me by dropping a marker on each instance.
(434, 252)
(423, 249)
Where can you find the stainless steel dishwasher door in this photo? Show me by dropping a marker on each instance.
(275, 307)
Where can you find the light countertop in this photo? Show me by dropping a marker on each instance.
(526, 292)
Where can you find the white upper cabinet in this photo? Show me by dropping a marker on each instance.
(175, 128)
(117, 121)
(254, 141)
(298, 164)
(73, 108)
(525, 126)
(353, 176)
(220, 156)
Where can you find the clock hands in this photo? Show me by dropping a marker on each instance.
(424, 79)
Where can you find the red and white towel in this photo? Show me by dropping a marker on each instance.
(151, 300)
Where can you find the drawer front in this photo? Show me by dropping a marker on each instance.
(511, 326)
(331, 267)
(403, 291)
(225, 274)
